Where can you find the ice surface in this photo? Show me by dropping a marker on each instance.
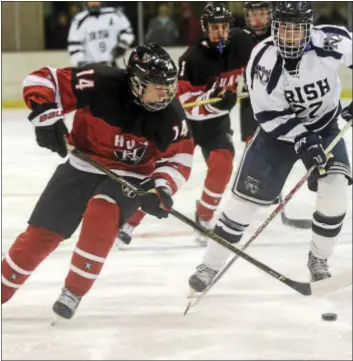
(134, 311)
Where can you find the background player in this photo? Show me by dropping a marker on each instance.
(99, 34)
(209, 69)
(257, 16)
(127, 120)
(297, 106)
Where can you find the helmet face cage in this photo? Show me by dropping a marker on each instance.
(291, 38)
(140, 84)
(266, 8)
(151, 64)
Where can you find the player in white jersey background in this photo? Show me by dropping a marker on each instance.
(99, 34)
(294, 87)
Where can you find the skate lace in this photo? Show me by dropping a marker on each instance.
(318, 265)
(127, 229)
(205, 272)
(69, 299)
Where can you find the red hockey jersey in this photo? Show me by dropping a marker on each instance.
(202, 68)
(111, 128)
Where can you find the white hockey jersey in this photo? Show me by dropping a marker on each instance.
(287, 105)
(92, 37)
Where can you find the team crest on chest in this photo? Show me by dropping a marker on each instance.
(129, 151)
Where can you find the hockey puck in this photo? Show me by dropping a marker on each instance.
(329, 316)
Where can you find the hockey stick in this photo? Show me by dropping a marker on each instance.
(304, 288)
(211, 101)
(294, 222)
(335, 281)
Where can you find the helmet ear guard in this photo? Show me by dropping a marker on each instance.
(151, 64)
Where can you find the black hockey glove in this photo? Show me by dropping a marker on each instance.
(309, 148)
(229, 99)
(158, 202)
(347, 112)
(49, 127)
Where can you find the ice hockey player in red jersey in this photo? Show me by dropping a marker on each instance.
(209, 69)
(128, 120)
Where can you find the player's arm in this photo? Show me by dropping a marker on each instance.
(125, 36)
(50, 93)
(172, 171)
(191, 88)
(75, 42)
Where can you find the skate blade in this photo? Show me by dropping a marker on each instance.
(192, 294)
(56, 319)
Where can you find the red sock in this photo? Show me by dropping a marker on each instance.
(99, 229)
(220, 167)
(136, 218)
(27, 252)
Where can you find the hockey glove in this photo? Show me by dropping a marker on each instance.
(228, 99)
(347, 112)
(157, 202)
(49, 127)
(309, 148)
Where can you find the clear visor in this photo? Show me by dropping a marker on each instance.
(291, 39)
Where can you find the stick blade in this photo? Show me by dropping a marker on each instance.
(331, 284)
(296, 223)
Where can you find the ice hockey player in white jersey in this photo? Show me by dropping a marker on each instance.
(295, 89)
(99, 34)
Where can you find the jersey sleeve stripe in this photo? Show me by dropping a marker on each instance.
(334, 30)
(34, 80)
(322, 53)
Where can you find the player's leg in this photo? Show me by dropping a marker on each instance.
(263, 170)
(218, 151)
(331, 207)
(126, 230)
(55, 217)
(110, 206)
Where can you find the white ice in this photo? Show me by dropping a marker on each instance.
(134, 311)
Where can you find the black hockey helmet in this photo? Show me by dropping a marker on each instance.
(262, 27)
(93, 7)
(291, 27)
(150, 63)
(217, 13)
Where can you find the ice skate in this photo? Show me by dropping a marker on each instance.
(318, 268)
(65, 306)
(201, 278)
(125, 235)
(201, 239)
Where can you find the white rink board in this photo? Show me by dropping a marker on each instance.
(134, 311)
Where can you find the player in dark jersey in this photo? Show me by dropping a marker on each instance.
(257, 16)
(128, 120)
(209, 69)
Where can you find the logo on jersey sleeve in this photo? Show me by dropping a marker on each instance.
(129, 151)
(262, 74)
(331, 41)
